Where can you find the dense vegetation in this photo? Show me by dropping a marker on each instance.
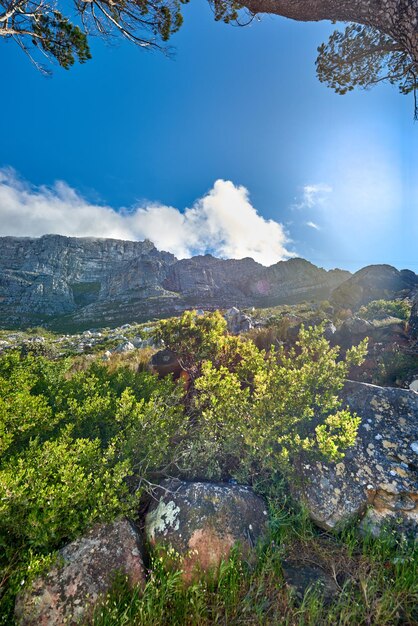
(82, 442)
(379, 309)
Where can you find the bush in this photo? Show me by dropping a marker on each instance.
(379, 309)
(70, 445)
(253, 411)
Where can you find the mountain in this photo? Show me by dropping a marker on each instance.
(374, 282)
(80, 282)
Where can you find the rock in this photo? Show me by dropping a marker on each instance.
(352, 331)
(165, 362)
(83, 575)
(143, 343)
(125, 347)
(379, 471)
(329, 331)
(414, 385)
(238, 322)
(301, 577)
(203, 521)
(413, 319)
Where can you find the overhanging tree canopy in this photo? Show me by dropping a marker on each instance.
(379, 43)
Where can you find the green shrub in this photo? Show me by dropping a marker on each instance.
(54, 490)
(379, 309)
(70, 446)
(253, 411)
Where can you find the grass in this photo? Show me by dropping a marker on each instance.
(377, 578)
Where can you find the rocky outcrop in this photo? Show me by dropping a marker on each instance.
(378, 477)
(374, 282)
(413, 319)
(83, 574)
(385, 332)
(237, 322)
(85, 282)
(203, 521)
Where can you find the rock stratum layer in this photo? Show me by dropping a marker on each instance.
(77, 282)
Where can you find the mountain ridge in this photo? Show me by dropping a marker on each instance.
(82, 281)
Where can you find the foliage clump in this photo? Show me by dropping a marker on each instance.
(252, 411)
(69, 444)
(379, 309)
(363, 56)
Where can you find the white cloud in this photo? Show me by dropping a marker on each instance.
(313, 225)
(313, 196)
(222, 222)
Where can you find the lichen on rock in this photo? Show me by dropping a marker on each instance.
(82, 575)
(201, 522)
(378, 477)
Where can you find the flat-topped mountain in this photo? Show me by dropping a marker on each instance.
(83, 281)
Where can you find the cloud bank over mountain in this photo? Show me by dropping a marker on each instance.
(222, 222)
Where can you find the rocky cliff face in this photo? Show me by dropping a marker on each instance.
(86, 281)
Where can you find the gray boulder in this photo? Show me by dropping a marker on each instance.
(125, 347)
(352, 331)
(83, 574)
(238, 322)
(377, 478)
(203, 521)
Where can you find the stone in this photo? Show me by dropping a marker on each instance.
(329, 331)
(203, 521)
(414, 385)
(301, 578)
(413, 319)
(238, 322)
(352, 331)
(83, 575)
(377, 478)
(125, 347)
(166, 362)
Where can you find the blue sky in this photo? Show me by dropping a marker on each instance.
(136, 129)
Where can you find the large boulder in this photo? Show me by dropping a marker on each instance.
(352, 331)
(378, 475)
(203, 521)
(83, 574)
